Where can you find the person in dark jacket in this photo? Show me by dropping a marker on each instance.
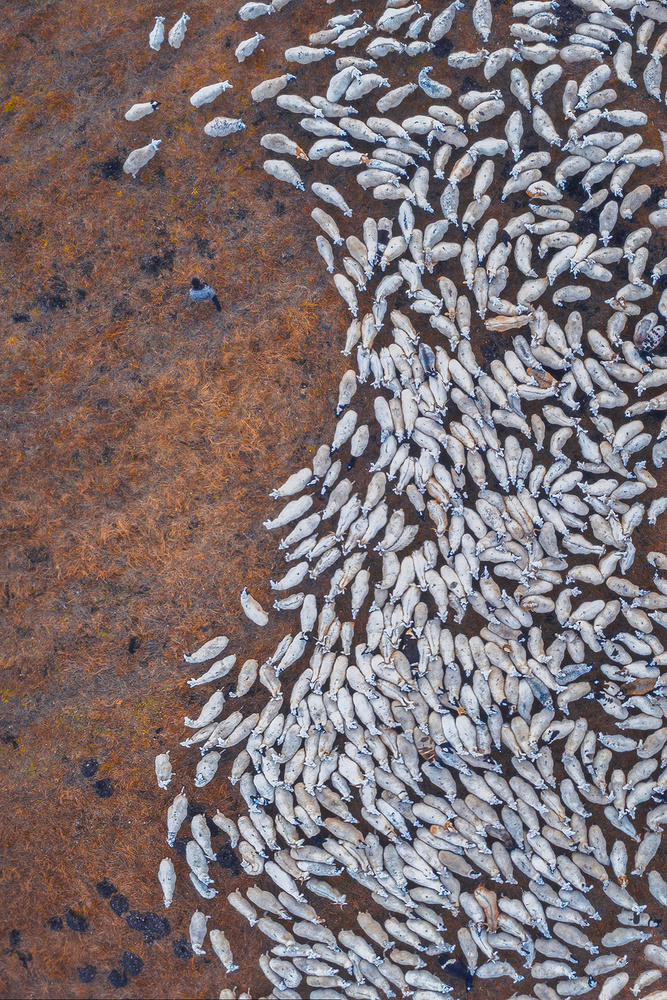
(201, 292)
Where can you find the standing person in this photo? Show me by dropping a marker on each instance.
(201, 292)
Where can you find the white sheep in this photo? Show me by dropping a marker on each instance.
(251, 10)
(253, 609)
(220, 127)
(305, 54)
(167, 878)
(207, 94)
(271, 88)
(138, 111)
(177, 33)
(138, 158)
(284, 171)
(248, 46)
(156, 37)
